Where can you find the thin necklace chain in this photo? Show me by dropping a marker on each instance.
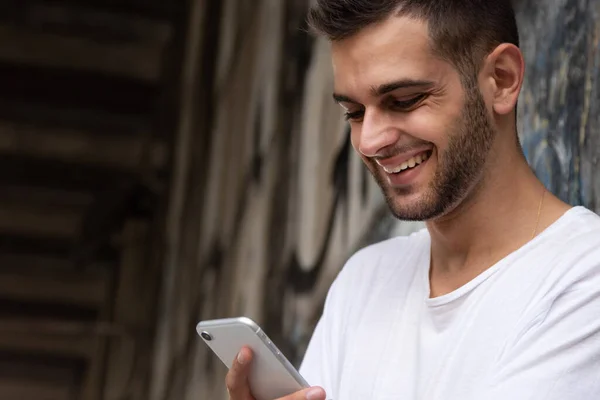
(539, 213)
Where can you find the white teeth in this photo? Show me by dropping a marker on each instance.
(419, 159)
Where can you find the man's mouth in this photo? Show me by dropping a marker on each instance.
(409, 164)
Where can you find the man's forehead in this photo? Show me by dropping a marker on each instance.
(359, 69)
(397, 48)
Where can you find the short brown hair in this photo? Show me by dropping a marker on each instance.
(462, 32)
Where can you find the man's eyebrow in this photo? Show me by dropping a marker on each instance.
(401, 84)
(380, 90)
(340, 98)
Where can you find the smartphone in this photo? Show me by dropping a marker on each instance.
(271, 376)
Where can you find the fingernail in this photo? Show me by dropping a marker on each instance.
(241, 357)
(315, 394)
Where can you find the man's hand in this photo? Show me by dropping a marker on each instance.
(237, 381)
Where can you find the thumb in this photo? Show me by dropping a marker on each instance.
(313, 393)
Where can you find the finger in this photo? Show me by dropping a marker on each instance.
(313, 393)
(237, 377)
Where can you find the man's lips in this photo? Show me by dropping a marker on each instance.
(396, 161)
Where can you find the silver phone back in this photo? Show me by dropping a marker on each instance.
(271, 374)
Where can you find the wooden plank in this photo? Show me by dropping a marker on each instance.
(82, 20)
(132, 60)
(19, 340)
(90, 120)
(20, 193)
(83, 287)
(89, 341)
(86, 287)
(33, 262)
(119, 151)
(24, 389)
(55, 250)
(52, 357)
(35, 378)
(20, 220)
(57, 174)
(152, 10)
(77, 90)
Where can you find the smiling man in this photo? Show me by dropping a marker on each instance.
(499, 297)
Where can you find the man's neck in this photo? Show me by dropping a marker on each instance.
(497, 219)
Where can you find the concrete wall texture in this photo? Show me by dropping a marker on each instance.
(269, 199)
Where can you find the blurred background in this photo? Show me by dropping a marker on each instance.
(164, 162)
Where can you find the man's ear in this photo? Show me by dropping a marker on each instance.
(504, 70)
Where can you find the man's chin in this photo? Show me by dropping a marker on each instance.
(411, 206)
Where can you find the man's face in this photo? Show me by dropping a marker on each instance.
(423, 137)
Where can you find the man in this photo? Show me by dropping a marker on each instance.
(499, 298)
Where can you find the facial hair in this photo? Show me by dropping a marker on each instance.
(459, 168)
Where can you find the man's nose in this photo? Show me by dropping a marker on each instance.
(376, 133)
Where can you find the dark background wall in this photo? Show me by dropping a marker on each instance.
(560, 104)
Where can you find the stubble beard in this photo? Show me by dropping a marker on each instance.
(459, 168)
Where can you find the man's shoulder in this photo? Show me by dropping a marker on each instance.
(381, 258)
(569, 252)
(579, 231)
(369, 272)
(585, 219)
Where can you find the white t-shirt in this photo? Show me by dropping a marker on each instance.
(528, 328)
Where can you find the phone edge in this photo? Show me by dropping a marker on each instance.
(262, 336)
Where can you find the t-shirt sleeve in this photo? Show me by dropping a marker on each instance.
(324, 358)
(557, 355)
(315, 366)
(319, 366)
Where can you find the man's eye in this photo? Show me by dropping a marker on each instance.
(355, 116)
(406, 104)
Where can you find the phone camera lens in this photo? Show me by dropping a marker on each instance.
(206, 336)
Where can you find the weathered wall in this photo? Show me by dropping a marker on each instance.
(560, 104)
(269, 200)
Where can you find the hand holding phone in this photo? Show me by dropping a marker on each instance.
(239, 389)
(257, 369)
